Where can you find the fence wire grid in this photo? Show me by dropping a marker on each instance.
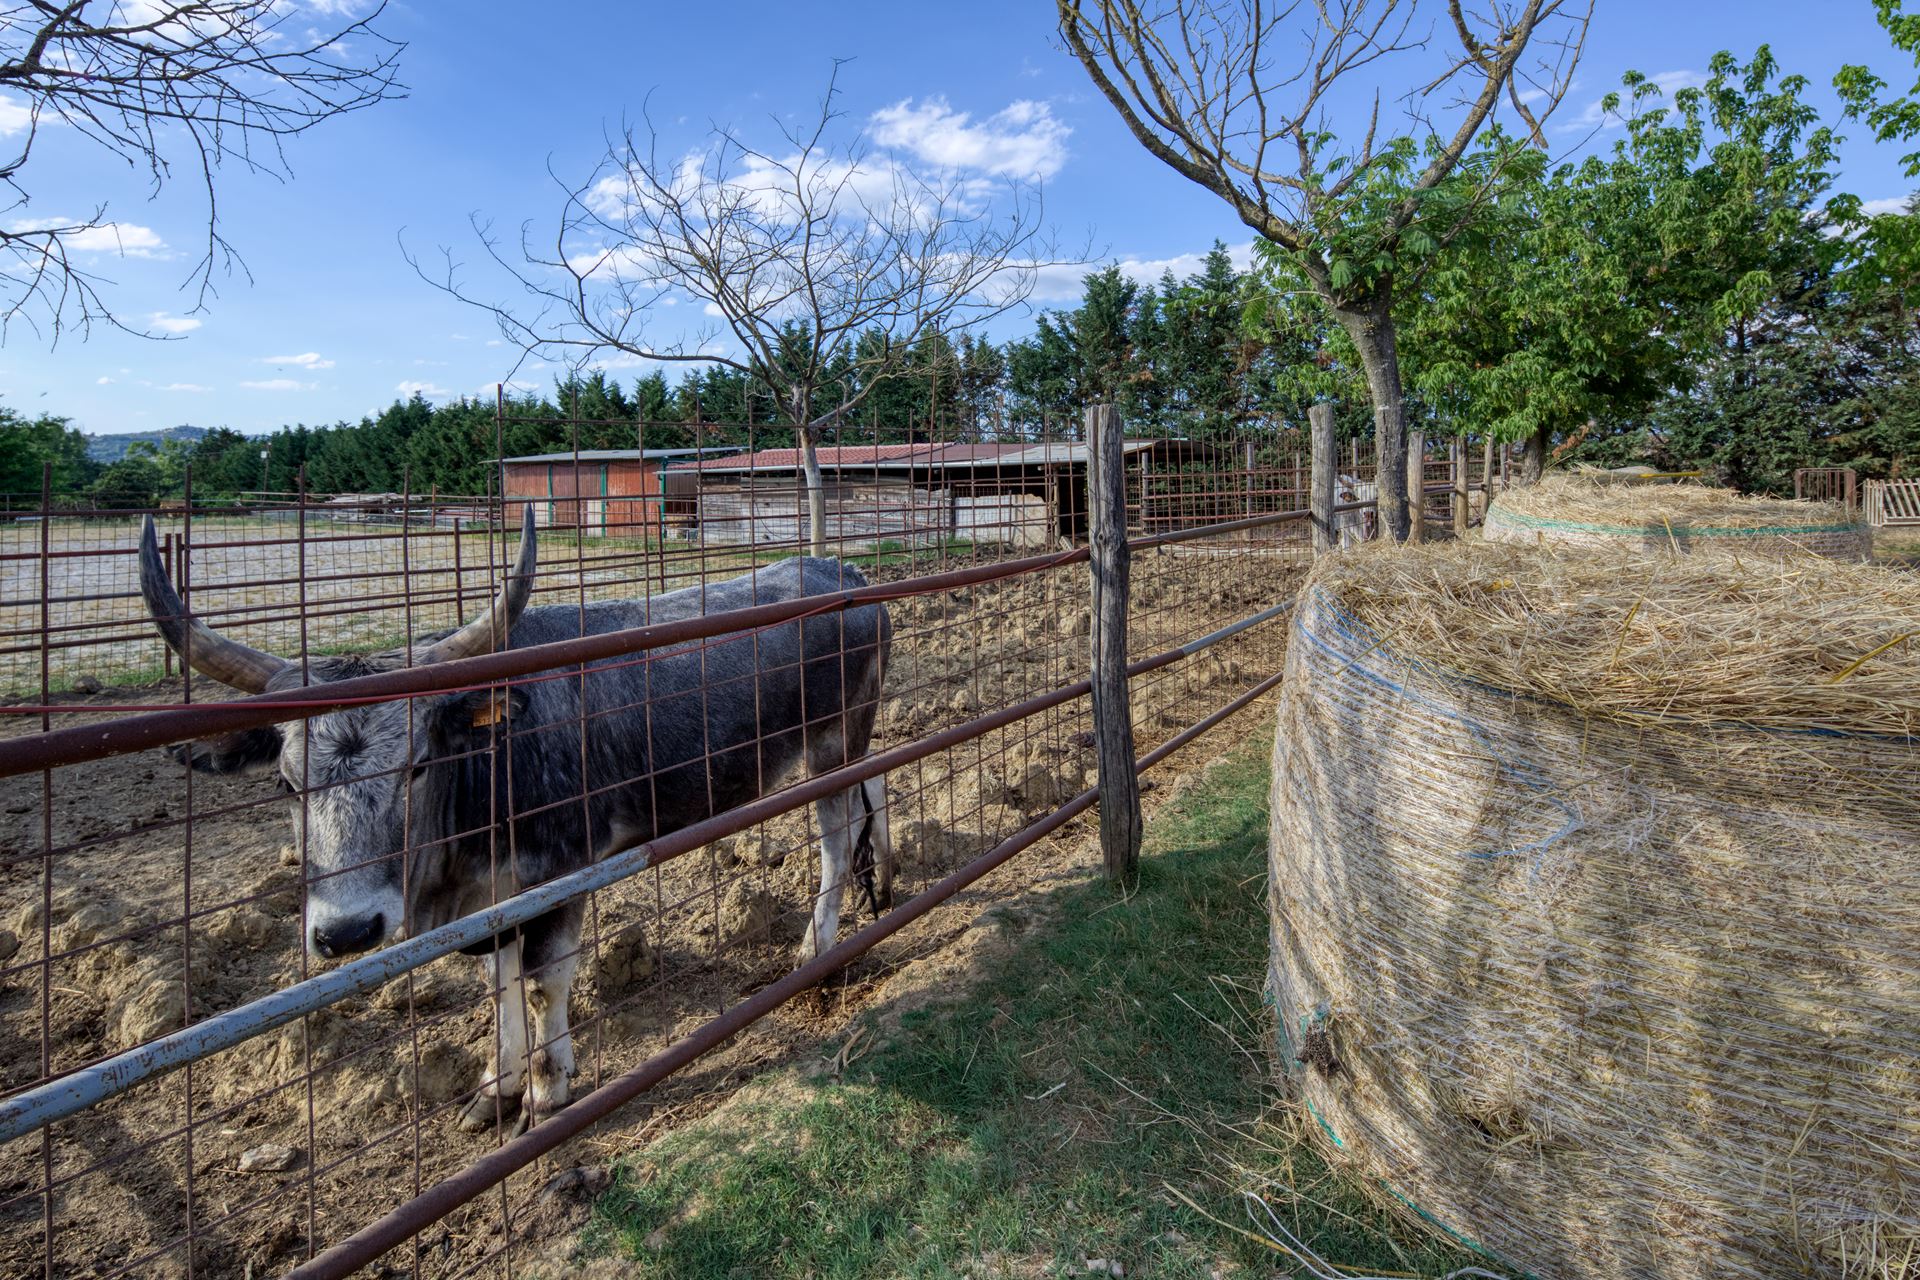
(143, 900)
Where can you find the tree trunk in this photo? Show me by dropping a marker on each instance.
(808, 431)
(1370, 325)
(1533, 459)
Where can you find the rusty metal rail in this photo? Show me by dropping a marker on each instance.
(122, 735)
(410, 1218)
(88, 1086)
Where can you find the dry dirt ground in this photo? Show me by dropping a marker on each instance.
(361, 1095)
(362, 585)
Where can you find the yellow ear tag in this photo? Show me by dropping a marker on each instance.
(491, 711)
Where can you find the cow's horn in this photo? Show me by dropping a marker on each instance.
(209, 652)
(489, 631)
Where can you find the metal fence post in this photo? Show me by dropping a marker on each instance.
(1110, 560)
(1320, 499)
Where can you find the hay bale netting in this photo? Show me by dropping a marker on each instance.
(1596, 903)
(1575, 510)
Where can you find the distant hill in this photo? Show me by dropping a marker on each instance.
(112, 448)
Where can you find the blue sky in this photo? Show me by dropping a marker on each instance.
(334, 323)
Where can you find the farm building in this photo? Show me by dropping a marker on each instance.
(1022, 495)
(602, 492)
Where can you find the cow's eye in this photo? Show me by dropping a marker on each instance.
(418, 769)
(286, 788)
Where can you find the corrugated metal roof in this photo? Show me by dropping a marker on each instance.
(847, 455)
(905, 457)
(620, 455)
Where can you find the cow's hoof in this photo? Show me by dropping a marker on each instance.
(531, 1116)
(485, 1111)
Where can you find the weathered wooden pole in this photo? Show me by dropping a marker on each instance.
(1416, 486)
(1459, 486)
(1320, 499)
(1486, 475)
(1109, 560)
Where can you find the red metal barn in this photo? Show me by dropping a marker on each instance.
(611, 493)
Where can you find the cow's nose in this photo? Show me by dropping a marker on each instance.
(345, 937)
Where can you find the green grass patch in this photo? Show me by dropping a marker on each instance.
(1116, 1049)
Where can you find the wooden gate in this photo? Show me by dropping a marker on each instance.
(1827, 484)
(1893, 502)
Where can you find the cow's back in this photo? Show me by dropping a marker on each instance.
(675, 734)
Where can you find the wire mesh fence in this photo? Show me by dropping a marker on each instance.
(701, 760)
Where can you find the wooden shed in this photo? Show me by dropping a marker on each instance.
(601, 492)
(1014, 494)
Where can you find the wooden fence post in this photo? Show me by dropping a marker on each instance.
(1109, 561)
(1416, 486)
(1460, 486)
(1486, 476)
(1320, 498)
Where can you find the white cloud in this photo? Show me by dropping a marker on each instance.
(184, 386)
(172, 324)
(1063, 283)
(1892, 204)
(123, 239)
(622, 262)
(305, 360)
(713, 309)
(412, 388)
(1596, 117)
(103, 381)
(127, 239)
(14, 117)
(280, 384)
(1022, 140)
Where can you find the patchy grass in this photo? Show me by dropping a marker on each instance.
(1056, 1111)
(1897, 545)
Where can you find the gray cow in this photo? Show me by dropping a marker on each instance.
(404, 817)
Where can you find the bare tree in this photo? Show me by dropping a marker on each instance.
(1237, 96)
(817, 261)
(155, 82)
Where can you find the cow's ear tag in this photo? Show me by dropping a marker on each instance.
(491, 709)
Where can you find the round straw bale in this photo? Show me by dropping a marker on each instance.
(1595, 903)
(1580, 510)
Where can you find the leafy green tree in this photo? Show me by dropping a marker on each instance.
(1202, 336)
(134, 481)
(983, 371)
(27, 445)
(1199, 86)
(1892, 117)
(1043, 378)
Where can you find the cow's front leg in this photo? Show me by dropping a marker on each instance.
(498, 1097)
(882, 836)
(550, 1065)
(834, 850)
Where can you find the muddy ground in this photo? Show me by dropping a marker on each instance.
(357, 1100)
